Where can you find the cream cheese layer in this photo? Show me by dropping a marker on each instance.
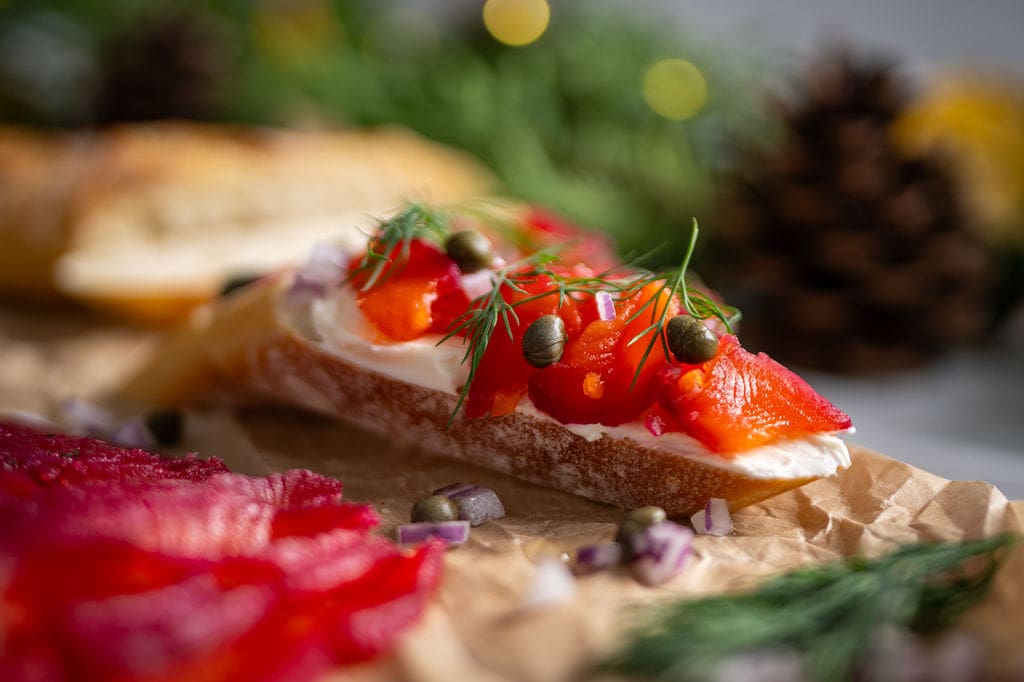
(344, 332)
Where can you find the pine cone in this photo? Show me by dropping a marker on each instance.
(171, 65)
(844, 253)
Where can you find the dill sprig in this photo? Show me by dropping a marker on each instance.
(478, 324)
(392, 240)
(480, 321)
(391, 243)
(826, 613)
(694, 301)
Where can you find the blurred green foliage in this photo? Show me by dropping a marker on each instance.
(562, 121)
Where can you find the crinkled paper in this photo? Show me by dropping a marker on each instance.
(478, 627)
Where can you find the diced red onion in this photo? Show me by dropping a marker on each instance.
(660, 552)
(476, 503)
(324, 269)
(762, 665)
(956, 655)
(895, 654)
(476, 284)
(455, 532)
(86, 418)
(592, 558)
(654, 424)
(713, 519)
(133, 433)
(605, 305)
(304, 288)
(553, 583)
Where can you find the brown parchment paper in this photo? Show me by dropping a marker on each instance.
(478, 627)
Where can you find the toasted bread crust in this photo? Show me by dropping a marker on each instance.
(249, 353)
(38, 173)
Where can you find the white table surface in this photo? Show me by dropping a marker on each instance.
(961, 417)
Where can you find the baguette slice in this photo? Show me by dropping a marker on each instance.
(149, 220)
(38, 173)
(253, 348)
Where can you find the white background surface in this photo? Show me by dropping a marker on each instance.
(960, 418)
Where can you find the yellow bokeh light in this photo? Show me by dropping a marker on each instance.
(675, 89)
(516, 22)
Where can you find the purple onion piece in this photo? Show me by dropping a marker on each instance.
(454, 532)
(86, 418)
(896, 654)
(956, 655)
(476, 503)
(304, 285)
(764, 665)
(714, 519)
(133, 433)
(654, 425)
(660, 551)
(593, 558)
(476, 284)
(324, 269)
(605, 305)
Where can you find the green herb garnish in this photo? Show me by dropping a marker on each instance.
(392, 240)
(391, 244)
(695, 302)
(826, 613)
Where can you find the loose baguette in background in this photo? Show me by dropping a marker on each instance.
(246, 351)
(150, 220)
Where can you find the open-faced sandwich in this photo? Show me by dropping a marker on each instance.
(511, 340)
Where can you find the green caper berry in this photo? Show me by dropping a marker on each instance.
(639, 519)
(647, 516)
(635, 523)
(544, 341)
(470, 250)
(434, 509)
(690, 340)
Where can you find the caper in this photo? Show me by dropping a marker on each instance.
(434, 509)
(633, 526)
(647, 516)
(544, 341)
(470, 250)
(690, 340)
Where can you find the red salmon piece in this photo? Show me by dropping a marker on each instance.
(400, 308)
(738, 400)
(503, 374)
(576, 395)
(595, 249)
(447, 311)
(424, 260)
(598, 382)
(400, 303)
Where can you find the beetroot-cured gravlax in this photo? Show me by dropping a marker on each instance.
(118, 564)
